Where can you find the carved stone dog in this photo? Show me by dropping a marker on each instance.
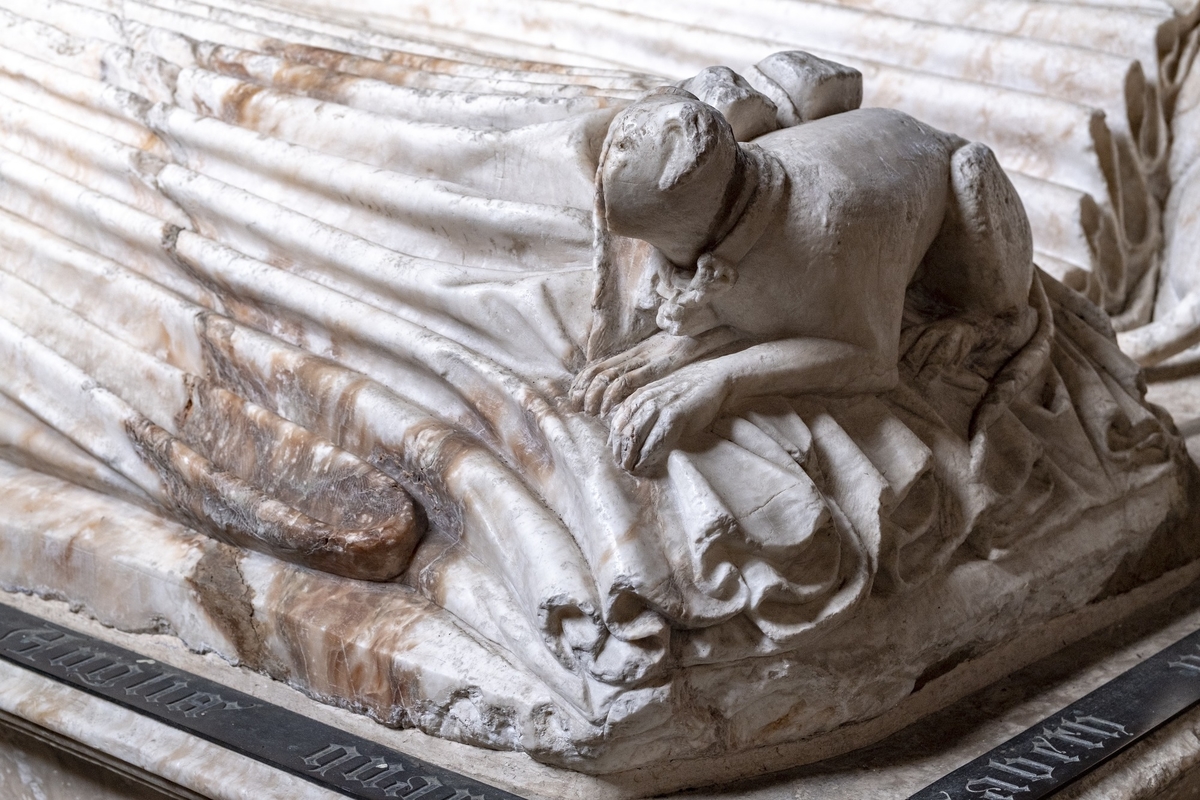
(782, 267)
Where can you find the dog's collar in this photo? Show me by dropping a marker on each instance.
(766, 181)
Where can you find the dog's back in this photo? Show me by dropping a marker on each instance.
(867, 196)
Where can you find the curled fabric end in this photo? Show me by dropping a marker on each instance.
(237, 512)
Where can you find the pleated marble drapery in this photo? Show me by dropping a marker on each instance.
(1075, 98)
(368, 256)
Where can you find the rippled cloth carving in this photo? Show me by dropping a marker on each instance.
(274, 279)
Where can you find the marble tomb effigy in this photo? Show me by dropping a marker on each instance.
(615, 414)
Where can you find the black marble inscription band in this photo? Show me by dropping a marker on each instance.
(1093, 729)
(324, 755)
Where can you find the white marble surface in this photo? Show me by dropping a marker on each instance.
(31, 769)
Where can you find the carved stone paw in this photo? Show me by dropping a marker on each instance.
(602, 386)
(652, 420)
(605, 383)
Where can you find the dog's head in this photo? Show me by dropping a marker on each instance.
(667, 164)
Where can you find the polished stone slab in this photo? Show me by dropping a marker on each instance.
(33, 769)
(37, 765)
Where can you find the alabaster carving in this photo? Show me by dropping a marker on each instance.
(1170, 339)
(782, 268)
(613, 417)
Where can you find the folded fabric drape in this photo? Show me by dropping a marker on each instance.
(373, 258)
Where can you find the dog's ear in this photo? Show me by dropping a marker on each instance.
(688, 138)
